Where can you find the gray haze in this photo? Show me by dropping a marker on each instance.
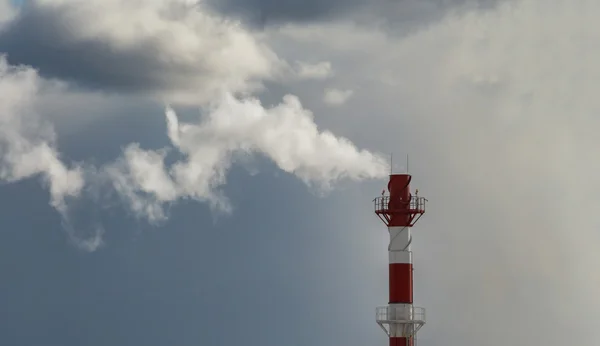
(498, 112)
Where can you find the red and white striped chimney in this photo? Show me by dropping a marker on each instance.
(399, 211)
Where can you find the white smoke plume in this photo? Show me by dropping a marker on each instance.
(175, 51)
(27, 144)
(285, 133)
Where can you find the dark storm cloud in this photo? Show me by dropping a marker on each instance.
(41, 39)
(264, 12)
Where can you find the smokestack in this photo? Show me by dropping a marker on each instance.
(400, 211)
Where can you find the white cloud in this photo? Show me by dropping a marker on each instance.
(320, 70)
(179, 51)
(336, 97)
(285, 133)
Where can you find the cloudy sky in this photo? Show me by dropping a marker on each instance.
(181, 173)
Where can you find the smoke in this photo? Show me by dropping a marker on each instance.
(27, 144)
(176, 51)
(231, 127)
(28, 147)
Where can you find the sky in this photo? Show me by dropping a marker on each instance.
(180, 172)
